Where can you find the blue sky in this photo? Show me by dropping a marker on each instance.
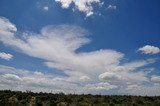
(109, 47)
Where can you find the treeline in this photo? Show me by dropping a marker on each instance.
(18, 98)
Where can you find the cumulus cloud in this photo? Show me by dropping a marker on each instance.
(109, 76)
(126, 73)
(148, 49)
(85, 6)
(18, 79)
(6, 56)
(57, 46)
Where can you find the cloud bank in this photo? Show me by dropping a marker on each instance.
(99, 71)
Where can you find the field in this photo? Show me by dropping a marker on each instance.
(18, 98)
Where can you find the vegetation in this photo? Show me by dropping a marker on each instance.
(18, 98)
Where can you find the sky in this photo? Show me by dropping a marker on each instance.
(109, 47)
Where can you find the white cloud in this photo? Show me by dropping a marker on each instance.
(45, 8)
(100, 86)
(109, 76)
(112, 7)
(127, 72)
(6, 26)
(155, 79)
(38, 73)
(6, 56)
(82, 5)
(57, 47)
(85, 78)
(149, 49)
(12, 77)
(140, 63)
(17, 79)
